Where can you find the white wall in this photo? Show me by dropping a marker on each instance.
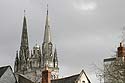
(83, 78)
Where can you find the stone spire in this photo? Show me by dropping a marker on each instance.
(24, 38)
(55, 59)
(49, 58)
(24, 48)
(16, 65)
(47, 43)
(47, 33)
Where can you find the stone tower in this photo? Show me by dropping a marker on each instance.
(31, 64)
(49, 55)
(21, 62)
(35, 59)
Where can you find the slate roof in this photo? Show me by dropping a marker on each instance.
(24, 79)
(70, 79)
(3, 69)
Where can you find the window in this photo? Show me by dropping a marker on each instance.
(83, 81)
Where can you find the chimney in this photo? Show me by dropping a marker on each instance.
(121, 50)
(46, 75)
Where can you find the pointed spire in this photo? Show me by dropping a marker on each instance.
(55, 54)
(47, 9)
(24, 48)
(55, 60)
(16, 62)
(47, 33)
(24, 38)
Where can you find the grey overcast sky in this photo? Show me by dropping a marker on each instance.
(84, 31)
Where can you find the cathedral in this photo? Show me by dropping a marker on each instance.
(31, 63)
(40, 64)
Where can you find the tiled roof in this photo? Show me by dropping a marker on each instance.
(2, 70)
(70, 79)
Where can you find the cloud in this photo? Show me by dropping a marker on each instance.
(80, 39)
(86, 6)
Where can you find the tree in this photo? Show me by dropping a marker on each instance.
(114, 71)
(114, 68)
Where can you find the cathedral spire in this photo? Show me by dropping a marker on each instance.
(24, 48)
(49, 58)
(47, 33)
(24, 38)
(55, 60)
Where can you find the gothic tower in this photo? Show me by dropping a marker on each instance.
(21, 62)
(30, 64)
(49, 57)
(35, 59)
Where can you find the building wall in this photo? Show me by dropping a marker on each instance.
(83, 79)
(34, 75)
(8, 77)
(114, 71)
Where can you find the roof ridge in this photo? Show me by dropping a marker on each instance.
(66, 77)
(85, 75)
(5, 66)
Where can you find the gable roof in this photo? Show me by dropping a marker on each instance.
(3, 69)
(70, 79)
(83, 72)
